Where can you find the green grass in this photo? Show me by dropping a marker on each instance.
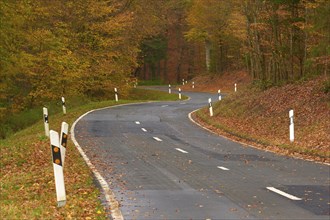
(16, 122)
(141, 94)
(13, 123)
(27, 182)
(157, 82)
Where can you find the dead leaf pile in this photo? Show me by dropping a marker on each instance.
(262, 118)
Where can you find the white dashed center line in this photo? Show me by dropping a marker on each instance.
(223, 168)
(157, 139)
(143, 129)
(137, 122)
(164, 106)
(283, 193)
(182, 151)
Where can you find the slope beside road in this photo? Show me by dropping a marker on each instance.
(160, 165)
(261, 116)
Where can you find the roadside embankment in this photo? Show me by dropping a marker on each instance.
(27, 179)
(261, 118)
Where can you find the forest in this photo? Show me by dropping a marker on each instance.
(54, 48)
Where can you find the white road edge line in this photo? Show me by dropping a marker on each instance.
(157, 139)
(137, 122)
(108, 194)
(244, 144)
(143, 129)
(222, 168)
(283, 193)
(182, 151)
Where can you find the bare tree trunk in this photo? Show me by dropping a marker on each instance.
(291, 52)
(165, 70)
(249, 59)
(306, 37)
(208, 55)
(144, 71)
(178, 69)
(159, 71)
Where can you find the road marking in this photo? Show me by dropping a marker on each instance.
(143, 129)
(222, 168)
(137, 122)
(109, 195)
(283, 193)
(183, 103)
(157, 139)
(164, 106)
(182, 151)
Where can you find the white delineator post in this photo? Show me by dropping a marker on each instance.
(64, 140)
(183, 82)
(219, 95)
(58, 168)
(179, 93)
(116, 95)
(193, 85)
(46, 122)
(63, 105)
(210, 107)
(169, 89)
(291, 127)
(235, 87)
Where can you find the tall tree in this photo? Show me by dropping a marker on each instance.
(55, 47)
(282, 36)
(208, 20)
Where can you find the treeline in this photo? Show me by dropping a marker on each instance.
(54, 48)
(287, 39)
(276, 41)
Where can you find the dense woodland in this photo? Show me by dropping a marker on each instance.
(54, 48)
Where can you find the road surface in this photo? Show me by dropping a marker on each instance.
(160, 165)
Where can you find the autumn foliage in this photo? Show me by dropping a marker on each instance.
(60, 48)
(54, 48)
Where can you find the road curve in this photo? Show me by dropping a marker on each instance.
(160, 165)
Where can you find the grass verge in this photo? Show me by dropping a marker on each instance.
(27, 180)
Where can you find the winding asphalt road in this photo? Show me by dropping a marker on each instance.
(160, 165)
